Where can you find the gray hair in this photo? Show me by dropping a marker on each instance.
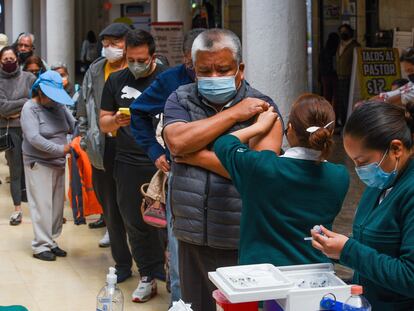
(215, 40)
(189, 38)
(26, 34)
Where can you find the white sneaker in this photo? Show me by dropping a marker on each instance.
(105, 242)
(16, 218)
(145, 291)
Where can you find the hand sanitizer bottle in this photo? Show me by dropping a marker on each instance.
(356, 302)
(110, 297)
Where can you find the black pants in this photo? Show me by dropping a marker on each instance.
(146, 247)
(14, 159)
(194, 263)
(105, 189)
(342, 98)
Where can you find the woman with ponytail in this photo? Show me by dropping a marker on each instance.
(379, 140)
(285, 196)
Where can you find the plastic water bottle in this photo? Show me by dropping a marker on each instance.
(356, 302)
(110, 297)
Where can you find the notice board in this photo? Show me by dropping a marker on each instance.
(169, 40)
(374, 70)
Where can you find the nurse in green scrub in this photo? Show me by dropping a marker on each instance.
(285, 196)
(379, 139)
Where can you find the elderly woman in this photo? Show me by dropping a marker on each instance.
(45, 124)
(14, 92)
(62, 69)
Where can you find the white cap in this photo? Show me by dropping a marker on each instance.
(111, 278)
(4, 41)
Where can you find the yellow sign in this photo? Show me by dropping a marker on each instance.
(377, 69)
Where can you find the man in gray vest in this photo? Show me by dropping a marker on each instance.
(205, 204)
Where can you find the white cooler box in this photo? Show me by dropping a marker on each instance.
(295, 288)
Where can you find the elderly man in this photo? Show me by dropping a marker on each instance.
(143, 110)
(206, 206)
(25, 47)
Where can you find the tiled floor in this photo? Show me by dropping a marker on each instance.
(70, 283)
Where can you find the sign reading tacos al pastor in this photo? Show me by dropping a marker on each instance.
(377, 69)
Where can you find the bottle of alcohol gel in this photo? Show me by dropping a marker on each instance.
(110, 297)
(356, 302)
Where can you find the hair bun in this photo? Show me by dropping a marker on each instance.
(409, 116)
(321, 140)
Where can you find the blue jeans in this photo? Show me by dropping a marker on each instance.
(173, 250)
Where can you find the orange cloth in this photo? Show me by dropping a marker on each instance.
(91, 205)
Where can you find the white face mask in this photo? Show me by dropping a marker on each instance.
(113, 54)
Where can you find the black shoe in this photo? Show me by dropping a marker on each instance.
(123, 275)
(57, 251)
(100, 223)
(46, 256)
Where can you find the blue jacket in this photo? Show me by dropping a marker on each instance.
(151, 103)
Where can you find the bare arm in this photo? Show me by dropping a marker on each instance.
(110, 121)
(268, 130)
(267, 123)
(272, 140)
(183, 138)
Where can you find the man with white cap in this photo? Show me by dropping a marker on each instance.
(100, 147)
(45, 124)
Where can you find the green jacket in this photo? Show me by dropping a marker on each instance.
(344, 61)
(283, 198)
(382, 248)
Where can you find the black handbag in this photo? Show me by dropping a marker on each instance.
(6, 142)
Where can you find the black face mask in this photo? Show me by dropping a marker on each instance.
(345, 36)
(411, 77)
(24, 55)
(10, 66)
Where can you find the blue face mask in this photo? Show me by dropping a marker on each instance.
(217, 90)
(373, 175)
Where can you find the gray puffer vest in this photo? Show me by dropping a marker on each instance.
(206, 206)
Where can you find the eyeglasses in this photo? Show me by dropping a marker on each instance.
(112, 42)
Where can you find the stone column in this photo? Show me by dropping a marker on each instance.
(174, 11)
(18, 18)
(274, 48)
(60, 32)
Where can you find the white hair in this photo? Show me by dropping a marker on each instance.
(216, 39)
(26, 34)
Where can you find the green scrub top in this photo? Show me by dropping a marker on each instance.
(283, 198)
(382, 248)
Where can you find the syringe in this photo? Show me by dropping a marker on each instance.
(316, 228)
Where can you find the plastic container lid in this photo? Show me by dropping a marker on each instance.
(357, 290)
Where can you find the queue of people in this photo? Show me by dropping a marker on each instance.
(233, 195)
